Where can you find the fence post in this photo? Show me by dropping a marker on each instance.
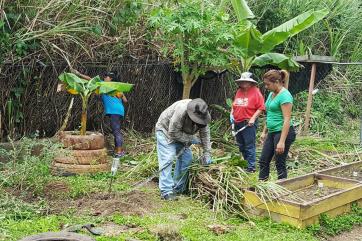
(1, 127)
(360, 134)
(310, 99)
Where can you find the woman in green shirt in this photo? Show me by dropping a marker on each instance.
(278, 134)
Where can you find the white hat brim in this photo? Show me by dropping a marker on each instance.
(246, 80)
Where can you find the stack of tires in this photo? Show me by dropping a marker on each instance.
(88, 154)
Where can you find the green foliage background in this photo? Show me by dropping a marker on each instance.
(80, 31)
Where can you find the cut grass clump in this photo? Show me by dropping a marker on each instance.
(222, 186)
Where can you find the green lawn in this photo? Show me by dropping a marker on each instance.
(26, 207)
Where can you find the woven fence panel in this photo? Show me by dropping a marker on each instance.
(156, 86)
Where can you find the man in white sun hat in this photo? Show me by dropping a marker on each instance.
(248, 104)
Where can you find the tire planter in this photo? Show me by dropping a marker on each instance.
(58, 236)
(88, 154)
(90, 141)
(84, 157)
(65, 169)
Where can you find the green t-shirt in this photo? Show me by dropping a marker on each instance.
(274, 114)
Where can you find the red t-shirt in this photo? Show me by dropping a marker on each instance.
(246, 104)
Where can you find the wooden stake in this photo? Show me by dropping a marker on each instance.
(360, 137)
(310, 99)
(1, 128)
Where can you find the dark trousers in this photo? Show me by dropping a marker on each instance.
(246, 141)
(116, 129)
(268, 152)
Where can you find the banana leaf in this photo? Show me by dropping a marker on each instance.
(242, 10)
(280, 60)
(76, 85)
(70, 77)
(248, 39)
(73, 83)
(111, 88)
(92, 84)
(290, 28)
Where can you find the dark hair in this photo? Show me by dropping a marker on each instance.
(275, 75)
(111, 74)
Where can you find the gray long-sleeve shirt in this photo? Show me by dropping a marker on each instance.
(172, 122)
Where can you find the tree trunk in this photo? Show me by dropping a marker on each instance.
(83, 124)
(187, 89)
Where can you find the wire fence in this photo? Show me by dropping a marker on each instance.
(156, 86)
(30, 103)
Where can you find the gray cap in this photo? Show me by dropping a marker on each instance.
(197, 110)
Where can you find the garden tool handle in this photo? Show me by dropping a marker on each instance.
(240, 130)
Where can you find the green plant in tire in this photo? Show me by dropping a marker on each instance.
(85, 88)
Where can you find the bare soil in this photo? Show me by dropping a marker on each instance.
(135, 202)
(112, 229)
(56, 189)
(102, 204)
(348, 173)
(310, 193)
(353, 235)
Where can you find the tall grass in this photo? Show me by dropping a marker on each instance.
(70, 29)
(24, 171)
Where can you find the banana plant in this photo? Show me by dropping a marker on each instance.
(252, 48)
(85, 88)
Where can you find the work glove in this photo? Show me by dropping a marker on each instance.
(232, 122)
(231, 119)
(206, 159)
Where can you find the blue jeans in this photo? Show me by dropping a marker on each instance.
(167, 153)
(246, 140)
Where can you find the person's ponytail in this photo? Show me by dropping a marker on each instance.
(284, 78)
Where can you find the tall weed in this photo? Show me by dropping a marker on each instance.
(24, 170)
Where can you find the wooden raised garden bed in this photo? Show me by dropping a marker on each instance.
(310, 195)
(352, 171)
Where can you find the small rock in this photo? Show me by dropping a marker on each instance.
(218, 228)
(96, 213)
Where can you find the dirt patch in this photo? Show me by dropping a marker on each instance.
(24, 195)
(101, 204)
(56, 194)
(310, 193)
(350, 173)
(112, 229)
(353, 235)
(56, 189)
